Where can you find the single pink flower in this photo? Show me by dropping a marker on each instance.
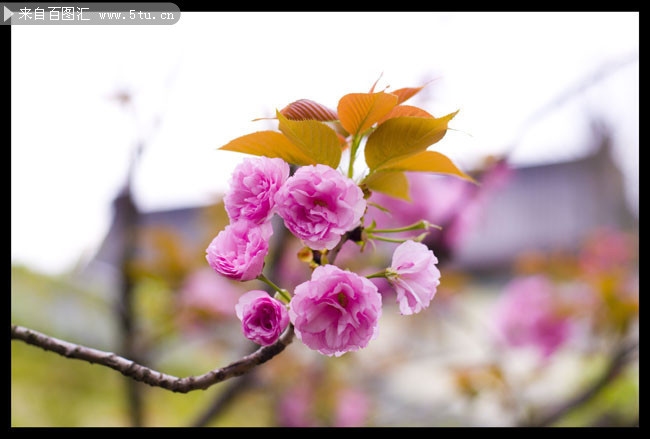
(239, 250)
(263, 318)
(336, 311)
(414, 275)
(526, 315)
(318, 205)
(253, 187)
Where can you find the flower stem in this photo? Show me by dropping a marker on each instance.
(423, 224)
(353, 154)
(378, 274)
(283, 296)
(381, 238)
(282, 292)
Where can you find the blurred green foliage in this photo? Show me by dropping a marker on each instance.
(49, 390)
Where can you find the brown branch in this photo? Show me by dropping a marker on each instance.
(150, 376)
(620, 358)
(354, 234)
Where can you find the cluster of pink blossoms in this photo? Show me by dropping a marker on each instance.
(337, 311)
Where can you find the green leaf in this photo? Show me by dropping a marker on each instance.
(392, 183)
(314, 139)
(270, 144)
(429, 161)
(402, 137)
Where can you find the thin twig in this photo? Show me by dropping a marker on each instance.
(354, 234)
(234, 389)
(145, 374)
(620, 358)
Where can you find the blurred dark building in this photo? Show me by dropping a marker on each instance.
(548, 207)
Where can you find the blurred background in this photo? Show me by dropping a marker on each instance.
(117, 186)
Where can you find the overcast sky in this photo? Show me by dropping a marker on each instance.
(207, 76)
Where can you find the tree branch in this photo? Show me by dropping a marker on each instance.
(150, 376)
(235, 387)
(620, 358)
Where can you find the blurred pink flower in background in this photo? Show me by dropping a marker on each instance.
(434, 198)
(469, 211)
(606, 249)
(352, 408)
(206, 295)
(447, 201)
(294, 408)
(527, 314)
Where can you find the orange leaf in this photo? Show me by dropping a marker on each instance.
(359, 111)
(336, 126)
(305, 109)
(402, 137)
(406, 93)
(372, 89)
(343, 142)
(270, 144)
(405, 110)
(315, 139)
(393, 183)
(429, 161)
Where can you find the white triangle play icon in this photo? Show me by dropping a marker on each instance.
(8, 14)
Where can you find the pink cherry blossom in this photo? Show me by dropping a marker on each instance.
(336, 311)
(253, 187)
(526, 315)
(318, 205)
(414, 275)
(263, 317)
(238, 251)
